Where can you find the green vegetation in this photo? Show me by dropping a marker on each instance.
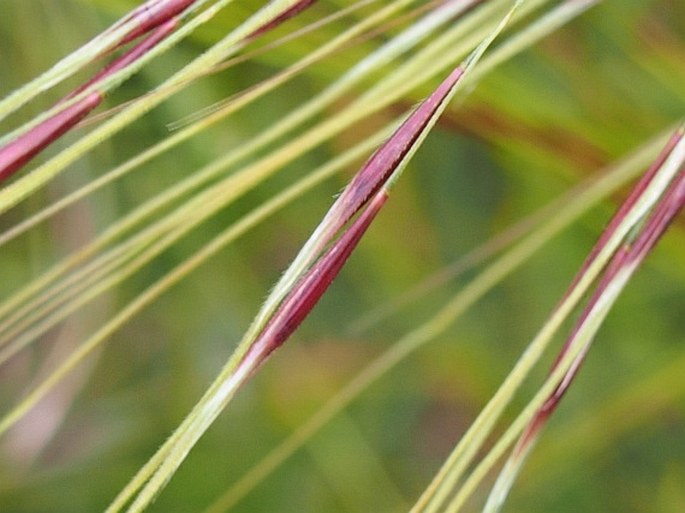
(171, 217)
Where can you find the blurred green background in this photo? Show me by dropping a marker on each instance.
(577, 101)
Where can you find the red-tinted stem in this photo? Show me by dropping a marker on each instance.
(17, 153)
(619, 260)
(309, 289)
(630, 255)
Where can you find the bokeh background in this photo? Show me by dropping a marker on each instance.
(580, 99)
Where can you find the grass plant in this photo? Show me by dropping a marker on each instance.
(164, 161)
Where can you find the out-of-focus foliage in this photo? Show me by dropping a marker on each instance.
(577, 101)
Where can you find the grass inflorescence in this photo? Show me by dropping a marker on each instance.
(121, 212)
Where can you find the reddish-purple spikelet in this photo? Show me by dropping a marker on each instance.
(129, 57)
(623, 257)
(629, 256)
(309, 289)
(384, 161)
(151, 15)
(284, 16)
(370, 182)
(18, 152)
